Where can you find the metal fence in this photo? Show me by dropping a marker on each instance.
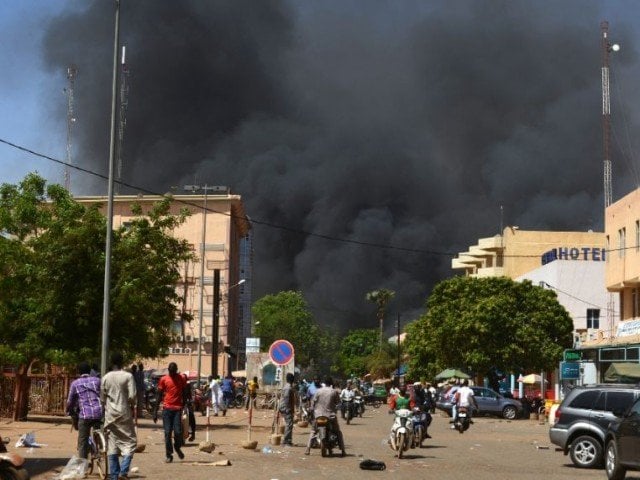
(7, 388)
(47, 395)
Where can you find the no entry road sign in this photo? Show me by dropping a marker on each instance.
(281, 352)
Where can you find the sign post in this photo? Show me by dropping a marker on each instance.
(281, 352)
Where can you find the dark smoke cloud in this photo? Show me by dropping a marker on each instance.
(403, 123)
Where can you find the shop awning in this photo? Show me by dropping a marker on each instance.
(623, 373)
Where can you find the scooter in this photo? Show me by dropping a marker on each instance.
(462, 420)
(401, 436)
(327, 437)
(421, 420)
(11, 464)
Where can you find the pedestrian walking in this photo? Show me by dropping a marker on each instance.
(171, 388)
(138, 376)
(84, 401)
(187, 398)
(118, 395)
(217, 401)
(287, 409)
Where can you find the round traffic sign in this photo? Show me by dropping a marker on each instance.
(281, 352)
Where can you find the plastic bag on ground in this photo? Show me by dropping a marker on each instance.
(75, 468)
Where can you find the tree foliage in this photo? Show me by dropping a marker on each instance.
(487, 323)
(355, 349)
(286, 315)
(52, 276)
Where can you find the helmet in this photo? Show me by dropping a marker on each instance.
(417, 384)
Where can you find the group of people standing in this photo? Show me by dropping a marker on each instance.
(114, 403)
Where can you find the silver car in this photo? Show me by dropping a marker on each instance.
(489, 402)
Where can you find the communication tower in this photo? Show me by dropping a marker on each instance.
(72, 71)
(124, 102)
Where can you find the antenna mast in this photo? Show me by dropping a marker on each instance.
(124, 102)
(606, 138)
(606, 111)
(71, 78)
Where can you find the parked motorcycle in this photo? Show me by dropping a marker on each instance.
(11, 464)
(401, 436)
(358, 403)
(462, 420)
(421, 421)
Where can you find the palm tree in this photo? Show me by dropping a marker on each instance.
(381, 298)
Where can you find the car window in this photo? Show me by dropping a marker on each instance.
(635, 409)
(585, 400)
(618, 402)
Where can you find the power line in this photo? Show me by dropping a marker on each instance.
(262, 222)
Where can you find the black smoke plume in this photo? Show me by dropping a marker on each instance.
(399, 123)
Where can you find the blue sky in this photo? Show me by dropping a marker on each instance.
(25, 87)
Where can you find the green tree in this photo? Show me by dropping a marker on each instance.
(286, 315)
(488, 323)
(381, 298)
(52, 274)
(382, 362)
(355, 348)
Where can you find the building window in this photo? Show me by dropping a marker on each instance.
(593, 318)
(637, 235)
(635, 293)
(622, 241)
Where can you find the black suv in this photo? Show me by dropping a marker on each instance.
(623, 444)
(582, 419)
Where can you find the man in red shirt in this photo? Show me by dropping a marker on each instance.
(171, 388)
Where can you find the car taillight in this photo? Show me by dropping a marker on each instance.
(556, 417)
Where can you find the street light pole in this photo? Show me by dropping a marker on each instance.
(106, 310)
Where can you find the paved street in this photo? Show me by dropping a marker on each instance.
(492, 448)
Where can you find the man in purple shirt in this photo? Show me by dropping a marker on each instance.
(84, 397)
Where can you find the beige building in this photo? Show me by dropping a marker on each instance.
(517, 252)
(225, 226)
(622, 229)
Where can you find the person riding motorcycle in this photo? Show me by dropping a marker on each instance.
(422, 399)
(464, 398)
(325, 403)
(400, 400)
(346, 395)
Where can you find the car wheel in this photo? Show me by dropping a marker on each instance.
(585, 452)
(612, 463)
(509, 412)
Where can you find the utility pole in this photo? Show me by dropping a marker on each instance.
(72, 71)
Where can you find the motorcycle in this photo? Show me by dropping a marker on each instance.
(358, 403)
(462, 420)
(327, 437)
(348, 409)
(401, 436)
(421, 420)
(11, 464)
